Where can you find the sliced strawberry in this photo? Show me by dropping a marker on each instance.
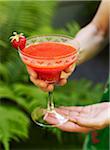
(18, 41)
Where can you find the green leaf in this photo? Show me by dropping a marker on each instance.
(6, 92)
(3, 44)
(27, 17)
(72, 28)
(14, 124)
(81, 92)
(28, 97)
(4, 73)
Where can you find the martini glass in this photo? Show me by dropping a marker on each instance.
(49, 69)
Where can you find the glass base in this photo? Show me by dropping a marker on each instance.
(48, 118)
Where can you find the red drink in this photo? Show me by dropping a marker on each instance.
(48, 56)
(48, 59)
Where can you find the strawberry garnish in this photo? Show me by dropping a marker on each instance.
(18, 41)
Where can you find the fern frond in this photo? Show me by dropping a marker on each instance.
(14, 124)
(29, 96)
(4, 73)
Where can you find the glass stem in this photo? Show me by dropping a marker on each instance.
(50, 104)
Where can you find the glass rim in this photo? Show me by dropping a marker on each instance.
(53, 57)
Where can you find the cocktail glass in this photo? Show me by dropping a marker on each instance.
(49, 69)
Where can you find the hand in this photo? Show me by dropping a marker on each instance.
(83, 119)
(49, 87)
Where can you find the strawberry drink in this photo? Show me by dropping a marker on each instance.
(48, 59)
(48, 56)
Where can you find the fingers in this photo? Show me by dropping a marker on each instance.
(69, 113)
(51, 118)
(72, 127)
(85, 122)
(91, 123)
(62, 111)
(65, 74)
(68, 126)
(84, 116)
(70, 68)
(32, 72)
(62, 82)
(49, 88)
(42, 84)
(72, 108)
(75, 114)
(39, 83)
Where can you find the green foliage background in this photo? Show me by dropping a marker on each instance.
(18, 96)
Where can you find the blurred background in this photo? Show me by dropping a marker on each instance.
(18, 96)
